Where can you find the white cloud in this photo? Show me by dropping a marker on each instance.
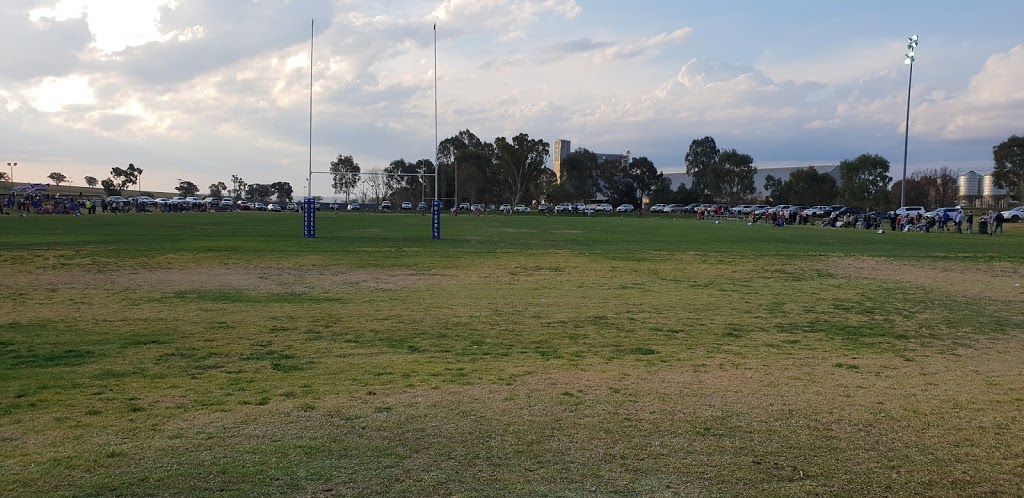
(832, 65)
(507, 16)
(643, 47)
(115, 25)
(54, 94)
(990, 105)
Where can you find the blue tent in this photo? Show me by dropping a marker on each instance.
(30, 187)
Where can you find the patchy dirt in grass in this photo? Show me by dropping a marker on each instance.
(1000, 281)
(244, 278)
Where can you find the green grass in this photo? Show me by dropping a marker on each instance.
(223, 354)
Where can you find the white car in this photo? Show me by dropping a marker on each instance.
(1016, 214)
(603, 207)
(564, 207)
(674, 208)
(228, 203)
(742, 209)
(505, 208)
(579, 207)
(407, 205)
(162, 200)
(911, 210)
(624, 208)
(817, 210)
(657, 208)
(520, 208)
(273, 208)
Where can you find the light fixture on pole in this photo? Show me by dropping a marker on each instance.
(12, 165)
(911, 55)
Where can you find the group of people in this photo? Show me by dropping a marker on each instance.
(990, 223)
(853, 220)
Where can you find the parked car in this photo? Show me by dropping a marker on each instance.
(228, 203)
(937, 214)
(259, 206)
(163, 201)
(209, 201)
(674, 208)
(422, 206)
(820, 211)
(243, 205)
(355, 206)
(564, 207)
(691, 208)
(603, 207)
(273, 208)
(193, 201)
(295, 207)
(476, 207)
(742, 209)
(1015, 215)
(624, 208)
(406, 206)
(464, 206)
(657, 208)
(505, 208)
(911, 210)
(543, 207)
(521, 208)
(579, 207)
(848, 210)
(385, 205)
(145, 199)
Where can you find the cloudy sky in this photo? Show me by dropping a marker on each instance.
(202, 90)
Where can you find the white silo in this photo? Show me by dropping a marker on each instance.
(990, 190)
(970, 184)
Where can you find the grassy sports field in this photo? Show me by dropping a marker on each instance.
(223, 354)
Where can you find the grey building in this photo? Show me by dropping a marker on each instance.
(562, 148)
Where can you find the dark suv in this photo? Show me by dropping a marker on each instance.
(848, 210)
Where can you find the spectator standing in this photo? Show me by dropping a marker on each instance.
(958, 221)
(970, 222)
(998, 223)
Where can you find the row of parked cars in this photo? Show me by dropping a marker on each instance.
(1016, 214)
(197, 203)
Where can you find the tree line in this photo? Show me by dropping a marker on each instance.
(122, 179)
(503, 171)
(514, 171)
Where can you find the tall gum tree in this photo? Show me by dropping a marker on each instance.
(701, 165)
(344, 175)
(865, 180)
(1009, 171)
(520, 164)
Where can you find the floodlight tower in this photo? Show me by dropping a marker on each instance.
(911, 55)
(12, 165)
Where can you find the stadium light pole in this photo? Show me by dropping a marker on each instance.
(12, 165)
(911, 55)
